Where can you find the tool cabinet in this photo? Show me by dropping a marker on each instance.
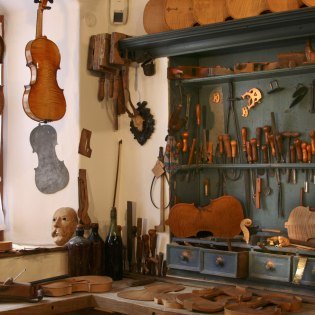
(232, 44)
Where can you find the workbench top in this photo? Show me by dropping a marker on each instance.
(101, 303)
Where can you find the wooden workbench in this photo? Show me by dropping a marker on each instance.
(105, 303)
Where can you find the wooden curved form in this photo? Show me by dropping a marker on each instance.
(301, 224)
(179, 14)
(283, 5)
(95, 284)
(154, 17)
(209, 11)
(309, 3)
(239, 9)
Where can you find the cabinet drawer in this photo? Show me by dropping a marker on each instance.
(270, 266)
(184, 257)
(309, 271)
(226, 264)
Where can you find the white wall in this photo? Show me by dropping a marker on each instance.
(69, 24)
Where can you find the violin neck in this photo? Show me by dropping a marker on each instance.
(39, 23)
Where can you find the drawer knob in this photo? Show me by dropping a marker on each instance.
(186, 255)
(270, 265)
(219, 261)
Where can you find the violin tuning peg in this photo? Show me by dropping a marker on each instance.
(37, 1)
(47, 7)
(51, 1)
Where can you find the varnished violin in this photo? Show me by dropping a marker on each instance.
(43, 99)
(222, 217)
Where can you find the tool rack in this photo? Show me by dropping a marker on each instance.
(257, 39)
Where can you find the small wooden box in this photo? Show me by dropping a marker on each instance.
(270, 266)
(184, 257)
(225, 263)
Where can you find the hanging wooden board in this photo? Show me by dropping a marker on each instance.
(309, 3)
(283, 5)
(209, 11)
(179, 14)
(154, 17)
(239, 9)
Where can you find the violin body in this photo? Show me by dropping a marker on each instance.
(222, 217)
(43, 99)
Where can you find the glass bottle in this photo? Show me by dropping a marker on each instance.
(113, 249)
(78, 254)
(96, 251)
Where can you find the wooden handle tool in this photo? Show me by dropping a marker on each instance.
(264, 150)
(304, 152)
(185, 142)
(253, 143)
(244, 139)
(297, 143)
(266, 134)
(210, 152)
(249, 152)
(258, 193)
(312, 136)
(271, 139)
(227, 146)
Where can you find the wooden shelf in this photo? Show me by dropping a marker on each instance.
(237, 243)
(236, 35)
(300, 166)
(236, 77)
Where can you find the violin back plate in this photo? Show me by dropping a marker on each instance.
(222, 217)
(43, 99)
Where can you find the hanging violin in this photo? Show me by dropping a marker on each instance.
(43, 99)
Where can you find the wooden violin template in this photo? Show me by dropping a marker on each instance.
(51, 175)
(222, 217)
(43, 99)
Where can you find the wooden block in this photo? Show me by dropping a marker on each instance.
(5, 246)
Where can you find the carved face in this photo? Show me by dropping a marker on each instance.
(64, 224)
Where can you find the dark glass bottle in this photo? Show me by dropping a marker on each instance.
(96, 251)
(113, 250)
(78, 254)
